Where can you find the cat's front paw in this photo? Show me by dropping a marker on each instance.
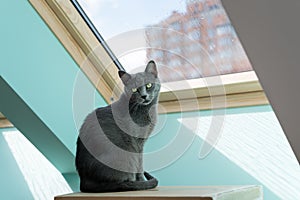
(148, 176)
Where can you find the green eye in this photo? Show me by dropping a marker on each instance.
(149, 85)
(134, 90)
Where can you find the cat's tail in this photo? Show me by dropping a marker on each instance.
(92, 186)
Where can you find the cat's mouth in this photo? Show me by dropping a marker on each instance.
(146, 102)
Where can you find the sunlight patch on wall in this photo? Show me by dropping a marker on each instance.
(257, 144)
(43, 179)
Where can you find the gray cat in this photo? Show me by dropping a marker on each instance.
(109, 155)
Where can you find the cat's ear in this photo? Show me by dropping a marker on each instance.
(124, 77)
(151, 68)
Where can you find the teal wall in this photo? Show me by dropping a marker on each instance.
(38, 67)
(42, 73)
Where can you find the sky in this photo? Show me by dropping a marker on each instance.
(113, 18)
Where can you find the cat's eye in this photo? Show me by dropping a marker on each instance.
(149, 85)
(134, 90)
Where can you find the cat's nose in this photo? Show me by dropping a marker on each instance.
(144, 96)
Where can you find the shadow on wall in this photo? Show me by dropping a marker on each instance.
(10, 172)
(42, 179)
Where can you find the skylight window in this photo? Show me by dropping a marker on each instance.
(191, 41)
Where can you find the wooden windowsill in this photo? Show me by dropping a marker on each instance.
(177, 192)
(4, 123)
(241, 89)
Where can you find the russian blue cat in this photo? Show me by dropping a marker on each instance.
(110, 145)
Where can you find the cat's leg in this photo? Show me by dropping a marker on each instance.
(140, 177)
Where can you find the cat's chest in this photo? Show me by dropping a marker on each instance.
(139, 127)
(138, 123)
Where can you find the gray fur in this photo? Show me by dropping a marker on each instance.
(110, 145)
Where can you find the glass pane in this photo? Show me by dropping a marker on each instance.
(188, 39)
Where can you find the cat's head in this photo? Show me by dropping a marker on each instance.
(142, 88)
